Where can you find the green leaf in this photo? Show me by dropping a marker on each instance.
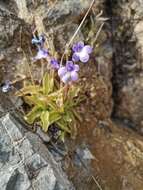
(52, 105)
(62, 136)
(48, 83)
(77, 115)
(79, 100)
(54, 116)
(33, 114)
(67, 117)
(56, 94)
(63, 125)
(45, 120)
(36, 100)
(71, 98)
(72, 124)
(73, 92)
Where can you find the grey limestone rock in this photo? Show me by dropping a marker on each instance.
(25, 163)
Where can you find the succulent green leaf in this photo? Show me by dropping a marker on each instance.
(45, 120)
(48, 83)
(63, 125)
(36, 100)
(73, 92)
(62, 136)
(54, 116)
(67, 117)
(33, 114)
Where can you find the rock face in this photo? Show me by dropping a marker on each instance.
(60, 17)
(52, 12)
(14, 34)
(6, 32)
(128, 61)
(25, 163)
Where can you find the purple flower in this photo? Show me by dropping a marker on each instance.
(68, 73)
(39, 41)
(41, 54)
(54, 63)
(81, 52)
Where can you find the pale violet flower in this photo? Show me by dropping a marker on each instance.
(81, 52)
(54, 63)
(41, 54)
(68, 73)
(39, 42)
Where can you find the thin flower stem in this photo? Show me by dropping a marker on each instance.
(97, 34)
(42, 70)
(96, 37)
(71, 40)
(65, 92)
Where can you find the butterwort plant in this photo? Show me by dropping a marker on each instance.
(53, 100)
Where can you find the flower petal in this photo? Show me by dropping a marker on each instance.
(74, 76)
(88, 49)
(66, 78)
(76, 67)
(42, 53)
(84, 57)
(75, 57)
(78, 46)
(62, 71)
(35, 41)
(69, 66)
(54, 63)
